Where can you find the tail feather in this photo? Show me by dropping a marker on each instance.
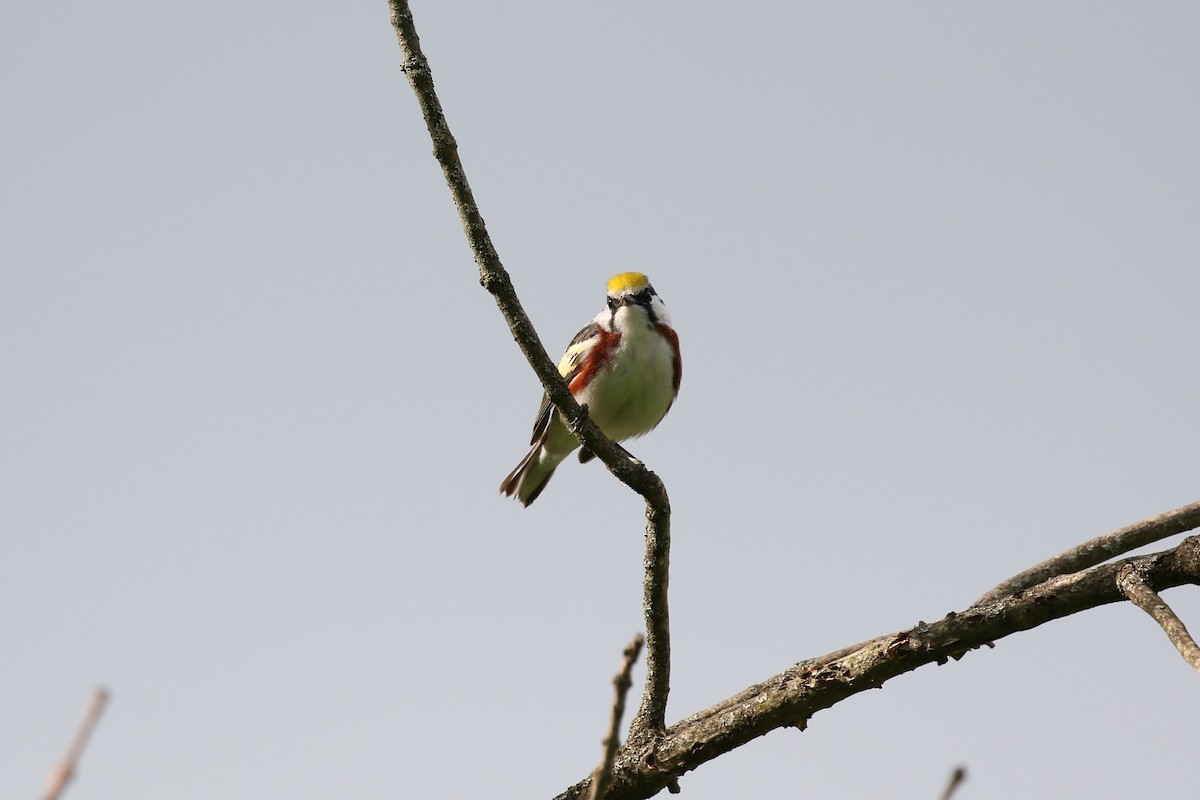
(530, 477)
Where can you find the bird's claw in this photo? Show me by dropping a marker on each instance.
(580, 418)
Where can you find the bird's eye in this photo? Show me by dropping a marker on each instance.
(613, 303)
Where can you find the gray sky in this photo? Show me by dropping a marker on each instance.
(935, 272)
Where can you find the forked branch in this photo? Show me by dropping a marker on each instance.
(1134, 586)
(790, 698)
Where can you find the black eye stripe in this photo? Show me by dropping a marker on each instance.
(643, 298)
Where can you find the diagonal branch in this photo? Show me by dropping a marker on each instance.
(790, 698)
(1101, 549)
(1134, 586)
(64, 770)
(956, 780)
(651, 716)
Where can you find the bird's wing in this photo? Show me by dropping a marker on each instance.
(569, 366)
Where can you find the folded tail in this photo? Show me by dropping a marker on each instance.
(530, 477)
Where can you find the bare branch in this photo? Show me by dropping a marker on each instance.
(621, 683)
(790, 698)
(62, 773)
(1133, 585)
(956, 779)
(651, 716)
(655, 756)
(1101, 549)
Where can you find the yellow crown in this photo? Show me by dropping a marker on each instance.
(627, 281)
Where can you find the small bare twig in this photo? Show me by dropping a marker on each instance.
(956, 779)
(62, 773)
(1133, 585)
(1100, 549)
(621, 683)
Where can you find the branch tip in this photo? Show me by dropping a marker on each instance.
(956, 779)
(1100, 549)
(64, 771)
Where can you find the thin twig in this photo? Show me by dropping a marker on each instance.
(956, 779)
(1101, 549)
(651, 716)
(621, 683)
(1134, 586)
(62, 773)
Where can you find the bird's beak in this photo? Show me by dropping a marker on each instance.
(639, 299)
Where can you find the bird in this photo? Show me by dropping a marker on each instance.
(624, 366)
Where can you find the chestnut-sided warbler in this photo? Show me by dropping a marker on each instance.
(624, 366)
